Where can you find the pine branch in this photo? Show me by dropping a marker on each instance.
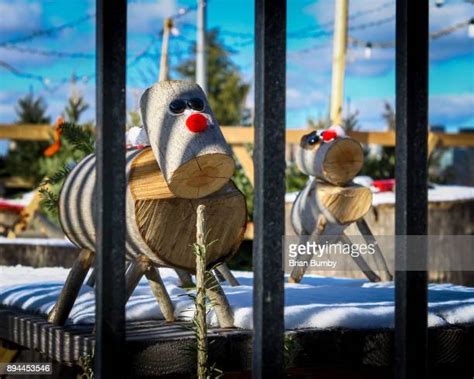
(77, 136)
(49, 199)
(58, 176)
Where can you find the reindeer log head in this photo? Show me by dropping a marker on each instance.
(336, 161)
(186, 139)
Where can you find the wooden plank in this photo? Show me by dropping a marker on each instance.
(238, 135)
(26, 132)
(245, 159)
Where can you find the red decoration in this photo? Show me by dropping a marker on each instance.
(196, 123)
(384, 185)
(328, 135)
(54, 148)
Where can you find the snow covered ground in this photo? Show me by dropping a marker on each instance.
(319, 302)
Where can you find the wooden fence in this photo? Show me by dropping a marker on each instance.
(240, 136)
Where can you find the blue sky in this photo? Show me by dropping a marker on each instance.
(369, 82)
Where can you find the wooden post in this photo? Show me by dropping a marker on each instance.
(60, 312)
(338, 60)
(213, 289)
(200, 322)
(164, 68)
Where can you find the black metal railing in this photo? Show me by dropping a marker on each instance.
(270, 56)
(111, 31)
(411, 207)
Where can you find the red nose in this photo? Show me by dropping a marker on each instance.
(196, 123)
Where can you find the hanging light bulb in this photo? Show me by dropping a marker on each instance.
(181, 11)
(368, 50)
(470, 28)
(439, 3)
(175, 31)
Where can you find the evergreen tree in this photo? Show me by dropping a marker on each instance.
(31, 110)
(226, 89)
(23, 158)
(75, 107)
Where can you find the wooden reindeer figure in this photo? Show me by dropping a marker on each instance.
(330, 202)
(187, 164)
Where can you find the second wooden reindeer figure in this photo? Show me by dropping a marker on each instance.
(330, 201)
(187, 163)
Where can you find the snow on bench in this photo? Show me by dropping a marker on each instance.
(319, 302)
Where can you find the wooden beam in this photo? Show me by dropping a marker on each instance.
(240, 135)
(26, 132)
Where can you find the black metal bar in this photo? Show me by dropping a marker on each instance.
(411, 192)
(111, 25)
(269, 159)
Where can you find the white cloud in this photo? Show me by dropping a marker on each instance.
(146, 17)
(19, 15)
(452, 108)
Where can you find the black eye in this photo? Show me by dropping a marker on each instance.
(196, 103)
(177, 106)
(313, 139)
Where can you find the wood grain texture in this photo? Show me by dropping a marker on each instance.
(343, 205)
(168, 227)
(146, 180)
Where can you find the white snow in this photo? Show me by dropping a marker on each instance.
(437, 194)
(319, 302)
(59, 242)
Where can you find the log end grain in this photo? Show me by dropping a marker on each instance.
(344, 205)
(202, 176)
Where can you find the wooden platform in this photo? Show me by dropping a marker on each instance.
(158, 348)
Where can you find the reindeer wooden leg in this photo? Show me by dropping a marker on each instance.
(378, 255)
(159, 290)
(91, 280)
(220, 303)
(185, 278)
(143, 266)
(299, 271)
(134, 273)
(63, 306)
(223, 269)
(360, 261)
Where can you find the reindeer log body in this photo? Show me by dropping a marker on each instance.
(188, 163)
(330, 202)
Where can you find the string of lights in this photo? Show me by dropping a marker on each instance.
(48, 31)
(351, 17)
(369, 45)
(49, 53)
(47, 82)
